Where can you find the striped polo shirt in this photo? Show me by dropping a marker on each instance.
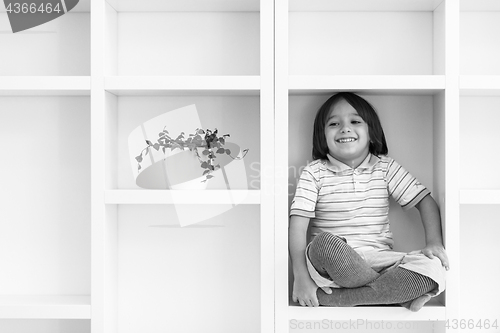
(354, 203)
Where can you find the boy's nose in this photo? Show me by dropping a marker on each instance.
(345, 129)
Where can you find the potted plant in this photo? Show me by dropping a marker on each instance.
(205, 144)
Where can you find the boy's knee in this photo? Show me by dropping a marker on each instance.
(327, 237)
(326, 240)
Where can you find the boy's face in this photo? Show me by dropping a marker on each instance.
(346, 134)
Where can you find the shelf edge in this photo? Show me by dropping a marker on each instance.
(375, 313)
(130, 84)
(161, 197)
(44, 85)
(480, 197)
(45, 307)
(395, 83)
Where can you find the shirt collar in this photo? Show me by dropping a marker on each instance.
(336, 166)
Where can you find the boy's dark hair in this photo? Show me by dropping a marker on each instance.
(378, 145)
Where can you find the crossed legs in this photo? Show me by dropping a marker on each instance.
(333, 257)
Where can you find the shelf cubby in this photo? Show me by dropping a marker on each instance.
(479, 222)
(228, 111)
(479, 37)
(412, 118)
(332, 38)
(154, 261)
(45, 231)
(59, 47)
(165, 38)
(478, 137)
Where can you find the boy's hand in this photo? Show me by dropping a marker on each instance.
(304, 292)
(431, 251)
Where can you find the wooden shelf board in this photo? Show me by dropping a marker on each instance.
(182, 6)
(480, 197)
(364, 5)
(44, 307)
(45, 86)
(158, 197)
(433, 310)
(182, 85)
(480, 85)
(479, 5)
(372, 84)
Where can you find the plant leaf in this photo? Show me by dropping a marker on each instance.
(205, 165)
(228, 152)
(206, 152)
(156, 146)
(139, 158)
(222, 141)
(220, 151)
(209, 176)
(149, 143)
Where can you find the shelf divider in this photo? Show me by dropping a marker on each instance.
(419, 84)
(158, 85)
(480, 85)
(433, 310)
(44, 85)
(44, 307)
(480, 197)
(159, 197)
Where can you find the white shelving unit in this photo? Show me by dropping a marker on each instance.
(87, 250)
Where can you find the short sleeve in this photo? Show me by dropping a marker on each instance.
(306, 194)
(403, 187)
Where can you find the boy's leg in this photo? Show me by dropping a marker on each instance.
(398, 285)
(330, 254)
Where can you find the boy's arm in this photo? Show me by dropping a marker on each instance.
(429, 212)
(304, 288)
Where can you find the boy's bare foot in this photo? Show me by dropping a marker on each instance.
(416, 304)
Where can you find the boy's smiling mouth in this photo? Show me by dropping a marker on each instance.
(346, 140)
